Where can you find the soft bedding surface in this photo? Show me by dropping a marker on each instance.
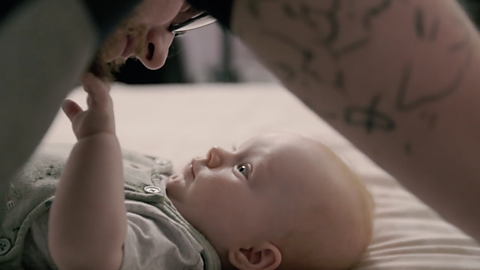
(180, 122)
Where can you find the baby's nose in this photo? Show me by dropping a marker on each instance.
(158, 41)
(215, 157)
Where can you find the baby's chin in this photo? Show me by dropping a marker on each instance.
(175, 179)
(176, 187)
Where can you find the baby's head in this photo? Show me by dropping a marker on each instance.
(279, 201)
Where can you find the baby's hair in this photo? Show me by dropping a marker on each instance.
(309, 255)
(347, 166)
(355, 177)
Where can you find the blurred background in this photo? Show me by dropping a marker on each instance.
(211, 54)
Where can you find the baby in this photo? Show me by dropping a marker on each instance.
(279, 201)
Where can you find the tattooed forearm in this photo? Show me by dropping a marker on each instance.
(335, 36)
(369, 117)
(328, 43)
(409, 80)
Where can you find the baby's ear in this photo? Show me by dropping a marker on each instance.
(264, 256)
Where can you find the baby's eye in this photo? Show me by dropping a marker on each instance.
(244, 169)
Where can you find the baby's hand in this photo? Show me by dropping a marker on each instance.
(98, 118)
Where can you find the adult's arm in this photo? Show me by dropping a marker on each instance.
(398, 78)
(45, 45)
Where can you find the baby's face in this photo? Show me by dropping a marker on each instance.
(254, 193)
(228, 191)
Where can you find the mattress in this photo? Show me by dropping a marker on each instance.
(179, 122)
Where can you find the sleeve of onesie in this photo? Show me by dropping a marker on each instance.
(151, 243)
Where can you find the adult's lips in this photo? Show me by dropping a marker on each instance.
(129, 47)
(192, 168)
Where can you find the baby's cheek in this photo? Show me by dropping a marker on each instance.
(216, 201)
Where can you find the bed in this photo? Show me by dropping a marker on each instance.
(179, 122)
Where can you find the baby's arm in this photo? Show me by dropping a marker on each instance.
(87, 223)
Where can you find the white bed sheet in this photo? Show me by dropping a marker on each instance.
(182, 121)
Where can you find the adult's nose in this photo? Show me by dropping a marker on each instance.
(158, 41)
(185, 6)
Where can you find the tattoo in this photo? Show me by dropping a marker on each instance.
(461, 45)
(331, 17)
(336, 31)
(405, 98)
(369, 117)
(404, 103)
(349, 48)
(420, 23)
(408, 148)
(306, 55)
(429, 118)
(340, 80)
(374, 12)
(326, 24)
(434, 31)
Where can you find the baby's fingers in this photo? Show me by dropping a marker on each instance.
(71, 109)
(98, 91)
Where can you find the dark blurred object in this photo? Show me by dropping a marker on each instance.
(473, 9)
(225, 71)
(133, 72)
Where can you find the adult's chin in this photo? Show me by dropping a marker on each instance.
(113, 47)
(101, 69)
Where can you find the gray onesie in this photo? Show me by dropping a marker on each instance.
(158, 237)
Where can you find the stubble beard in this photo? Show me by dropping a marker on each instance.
(104, 69)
